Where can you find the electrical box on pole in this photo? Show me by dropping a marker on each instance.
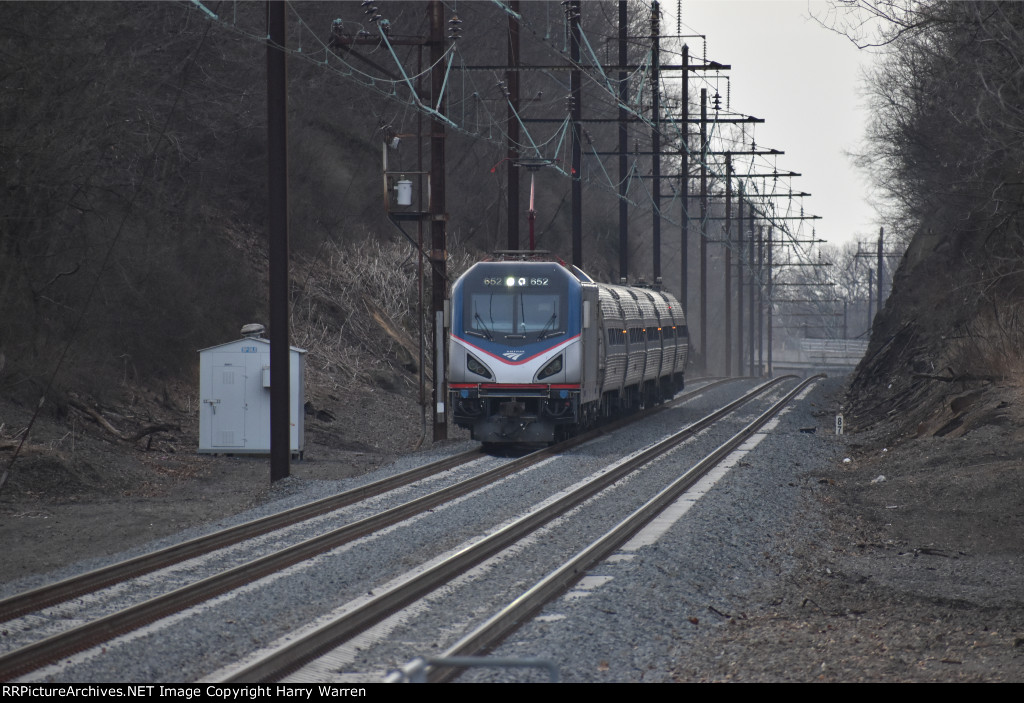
(438, 217)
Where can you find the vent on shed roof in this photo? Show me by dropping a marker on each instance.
(253, 330)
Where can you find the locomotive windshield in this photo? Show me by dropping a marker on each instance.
(514, 307)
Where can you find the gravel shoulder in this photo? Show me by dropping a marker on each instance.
(78, 497)
(907, 567)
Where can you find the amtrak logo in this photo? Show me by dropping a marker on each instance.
(514, 354)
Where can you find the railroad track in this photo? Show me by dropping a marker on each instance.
(303, 649)
(73, 587)
(54, 593)
(57, 646)
(495, 629)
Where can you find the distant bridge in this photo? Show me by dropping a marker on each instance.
(835, 355)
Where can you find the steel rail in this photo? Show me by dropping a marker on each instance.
(75, 586)
(487, 635)
(293, 655)
(72, 587)
(60, 645)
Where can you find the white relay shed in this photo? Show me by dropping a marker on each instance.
(234, 394)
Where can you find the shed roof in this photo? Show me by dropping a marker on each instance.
(261, 340)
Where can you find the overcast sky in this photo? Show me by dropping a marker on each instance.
(806, 82)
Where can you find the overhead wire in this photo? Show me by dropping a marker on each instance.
(603, 92)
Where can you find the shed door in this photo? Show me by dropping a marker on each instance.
(228, 406)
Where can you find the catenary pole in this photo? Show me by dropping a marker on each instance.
(760, 300)
(771, 296)
(684, 172)
(575, 84)
(623, 143)
(704, 227)
(750, 297)
(728, 264)
(656, 140)
(512, 125)
(438, 217)
(881, 266)
(739, 283)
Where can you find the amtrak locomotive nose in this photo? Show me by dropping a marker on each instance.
(538, 350)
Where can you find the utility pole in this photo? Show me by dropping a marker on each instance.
(874, 285)
(438, 218)
(573, 11)
(277, 220)
(881, 266)
(420, 253)
(624, 117)
(704, 227)
(684, 158)
(656, 138)
(871, 291)
(771, 297)
(623, 143)
(512, 125)
(728, 264)
(761, 300)
(750, 276)
(739, 284)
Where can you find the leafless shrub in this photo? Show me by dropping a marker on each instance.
(989, 347)
(355, 311)
(994, 337)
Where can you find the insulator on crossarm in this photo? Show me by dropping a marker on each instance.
(454, 28)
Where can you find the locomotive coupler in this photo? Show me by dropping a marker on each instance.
(512, 408)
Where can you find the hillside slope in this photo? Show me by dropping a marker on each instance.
(945, 149)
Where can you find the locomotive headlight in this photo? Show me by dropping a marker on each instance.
(474, 365)
(553, 367)
(510, 281)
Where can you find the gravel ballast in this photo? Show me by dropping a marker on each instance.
(797, 565)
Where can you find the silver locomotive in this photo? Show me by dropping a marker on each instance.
(538, 350)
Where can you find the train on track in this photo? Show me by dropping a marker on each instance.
(539, 351)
